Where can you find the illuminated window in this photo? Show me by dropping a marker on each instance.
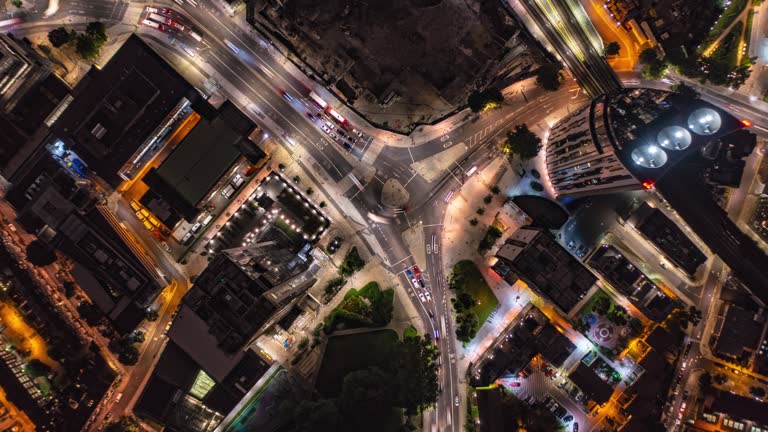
(202, 385)
(733, 424)
(710, 418)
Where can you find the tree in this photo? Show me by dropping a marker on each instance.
(310, 191)
(97, 31)
(352, 263)
(281, 167)
(466, 326)
(483, 100)
(152, 316)
(365, 392)
(415, 369)
(601, 305)
(757, 392)
(87, 47)
(16, 3)
(655, 69)
(648, 56)
(36, 368)
(612, 49)
(473, 221)
(522, 142)
(59, 37)
(139, 336)
(39, 254)
(90, 313)
(296, 179)
(129, 355)
(323, 204)
(320, 415)
(495, 189)
(125, 424)
(720, 379)
(685, 90)
(480, 211)
(488, 199)
(550, 76)
(705, 382)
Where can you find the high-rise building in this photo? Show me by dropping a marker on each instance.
(680, 147)
(627, 137)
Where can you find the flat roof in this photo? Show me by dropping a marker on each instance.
(740, 332)
(740, 407)
(592, 385)
(201, 159)
(117, 107)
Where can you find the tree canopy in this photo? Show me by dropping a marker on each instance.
(317, 415)
(37, 368)
(550, 76)
(612, 49)
(685, 90)
(522, 142)
(59, 36)
(482, 100)
(89, 43)
(648, 56)
(125, 424)
(40, 254)
(352, 263)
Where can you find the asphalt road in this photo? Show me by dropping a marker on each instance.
(261, 79)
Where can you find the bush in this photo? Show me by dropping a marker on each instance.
(296, 179)
(353, 311)
(281, 167)
(59, 37)
(489, 240)
(310, 191)
(323, 204)
(352, 263)
(334, 285)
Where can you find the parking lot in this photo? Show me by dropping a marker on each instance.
(537, 387)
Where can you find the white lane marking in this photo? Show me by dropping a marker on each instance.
(275, 110)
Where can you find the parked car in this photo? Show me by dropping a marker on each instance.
(568, 418)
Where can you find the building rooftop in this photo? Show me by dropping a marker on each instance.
(740, 333)
(668, 237)
(203, 157)
(740, 407)
(534, 256)
(592, 385)
(118, 107)
(630, 281)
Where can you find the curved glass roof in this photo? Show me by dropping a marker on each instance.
(674, 138)
(649, 156)
(704, 121)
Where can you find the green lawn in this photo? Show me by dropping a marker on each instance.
(348, 353)
(730, 14)
(478, 288)
(591, 303)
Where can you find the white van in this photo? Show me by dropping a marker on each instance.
(207, 220)
(237, 181)
(118, 397)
